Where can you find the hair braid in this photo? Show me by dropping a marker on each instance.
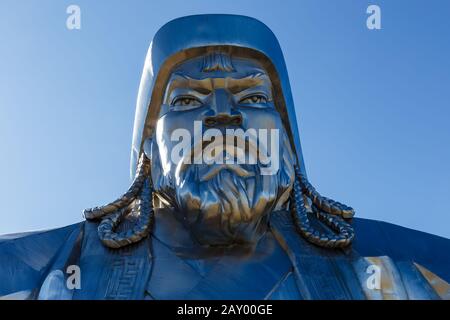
(138, 198)
(142, 171)
(326, 210)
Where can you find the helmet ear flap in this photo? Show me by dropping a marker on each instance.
(148, 146)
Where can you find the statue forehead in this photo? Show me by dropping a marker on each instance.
(218, 65)
(211, 71)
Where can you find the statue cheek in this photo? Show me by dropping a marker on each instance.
(176, 119)
(262, 119)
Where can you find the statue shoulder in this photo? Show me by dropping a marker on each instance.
(420, 260)
(377, 238)
(25, 257)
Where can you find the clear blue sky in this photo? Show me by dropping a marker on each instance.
(373, 106)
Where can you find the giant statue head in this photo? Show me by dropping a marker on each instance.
(216, 141)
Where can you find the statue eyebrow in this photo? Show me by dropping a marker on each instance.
(252, 80)
(206, 85)
(202, 86)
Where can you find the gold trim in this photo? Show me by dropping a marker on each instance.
(439, 285)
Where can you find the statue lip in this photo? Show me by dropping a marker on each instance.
(214, 169)
(247, 147)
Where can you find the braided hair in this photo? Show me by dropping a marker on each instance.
(137, 199)
(305, 203)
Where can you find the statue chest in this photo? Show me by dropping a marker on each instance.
(152, 270)
(280, 267)
(266, 273)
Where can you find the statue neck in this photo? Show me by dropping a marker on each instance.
(175, 235)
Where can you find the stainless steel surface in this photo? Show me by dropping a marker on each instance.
(239, 34)
(221, 231)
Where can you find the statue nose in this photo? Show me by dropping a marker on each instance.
(222, 111)
(223, 119)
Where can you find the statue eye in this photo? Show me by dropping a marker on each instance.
(186, 101)
(254, 98)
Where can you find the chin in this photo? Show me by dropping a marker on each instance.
(227, 209)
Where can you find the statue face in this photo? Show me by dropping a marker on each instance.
(221, 157)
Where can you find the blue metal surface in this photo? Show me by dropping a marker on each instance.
(130, 263)
(322, 273)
